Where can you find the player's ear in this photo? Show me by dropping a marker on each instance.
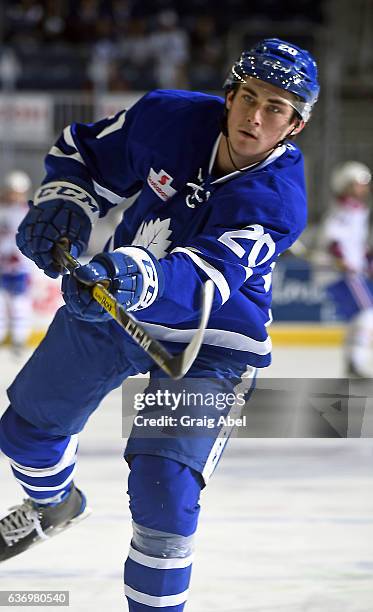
(298, 127)
(229, 98)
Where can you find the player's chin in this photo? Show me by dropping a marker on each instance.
(246, 141)
(248, 149)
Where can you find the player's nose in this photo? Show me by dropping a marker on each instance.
(254, 115)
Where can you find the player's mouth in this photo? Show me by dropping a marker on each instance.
(248, 135)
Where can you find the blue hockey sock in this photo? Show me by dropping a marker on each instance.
(43, 464)
(164, 505)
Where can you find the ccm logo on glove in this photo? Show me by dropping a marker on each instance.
(61, 211)
(70, 192)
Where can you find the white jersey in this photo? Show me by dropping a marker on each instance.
(347, 227)
(11, 259)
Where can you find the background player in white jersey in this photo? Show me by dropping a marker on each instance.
(222, 195)
(345, 234)
(15, 268)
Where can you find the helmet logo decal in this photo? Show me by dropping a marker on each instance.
(276, 66)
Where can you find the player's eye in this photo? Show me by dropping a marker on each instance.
(275, 109)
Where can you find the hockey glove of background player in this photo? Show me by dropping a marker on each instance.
(60, 210)
(135, 279)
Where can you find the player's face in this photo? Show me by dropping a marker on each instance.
(259, 116)
(359, 191)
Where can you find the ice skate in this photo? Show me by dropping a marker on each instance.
(30, 523)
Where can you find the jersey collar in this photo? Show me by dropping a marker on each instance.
(227, 177)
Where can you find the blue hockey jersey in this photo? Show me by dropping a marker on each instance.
(230, 229)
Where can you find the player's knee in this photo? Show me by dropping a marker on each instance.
(164, 495)
(160, 544)
(9, 438)
(20, 440)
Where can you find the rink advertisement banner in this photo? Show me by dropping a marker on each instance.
(25, 119)
(299, 294)
(275, 408)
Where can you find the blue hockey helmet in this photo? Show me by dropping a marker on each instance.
(283, 64)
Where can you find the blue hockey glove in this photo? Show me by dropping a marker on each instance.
(135, 279)
(60, 210)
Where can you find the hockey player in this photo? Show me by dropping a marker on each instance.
(345, 236)
(15, 269)
(222, 195)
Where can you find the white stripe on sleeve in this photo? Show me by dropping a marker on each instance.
(110, 196)
(215, 337)
(56, 152)
(117, 125)
(68, 137)
(216, 276)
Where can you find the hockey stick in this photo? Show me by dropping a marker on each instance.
(175, 366)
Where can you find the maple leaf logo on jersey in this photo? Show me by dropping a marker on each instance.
(153, 235)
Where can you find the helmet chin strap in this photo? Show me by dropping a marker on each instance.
(291, 132)
(281, 142)
(251, 165)
(230, 154)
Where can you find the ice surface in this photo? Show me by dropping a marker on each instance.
(286, 525)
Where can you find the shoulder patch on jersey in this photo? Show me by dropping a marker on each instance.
(160, 182)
